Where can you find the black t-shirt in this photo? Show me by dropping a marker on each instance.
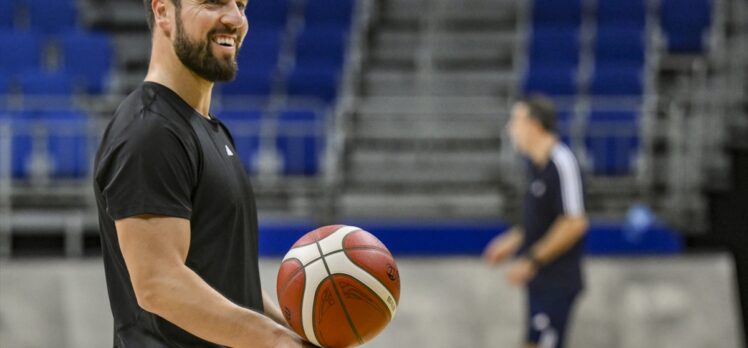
(159, 156)
(553, 191)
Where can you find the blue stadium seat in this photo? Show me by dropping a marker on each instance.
(612, 141)
(554, 47)
(267, 14)
(621, 12)
(7, 14)
(52, 16)
(20, 51)
(244, 126)
(685, 22)
(21, 144)
(551, 81)
(620, 46)
(250, 82)
(297, 142)
(4, 83)
(328, 13)
(321, 48)
(314, 83)
(87, 56)
(67, 146)
(260, 50)
(563, 13)
(46, 83)
(617, 81)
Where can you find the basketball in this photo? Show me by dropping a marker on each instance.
(338, 286)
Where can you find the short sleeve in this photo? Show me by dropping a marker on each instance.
(150, 168)
(570, 183)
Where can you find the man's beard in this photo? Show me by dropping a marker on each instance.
(198, 56)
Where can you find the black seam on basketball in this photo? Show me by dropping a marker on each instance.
(373, 276)
(296, 272)
(387, 312)
(340, 298)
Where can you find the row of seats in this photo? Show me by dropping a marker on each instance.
(617, 48)
(307, 63)
(45, 16)
(60, 143)
(299, 138)
(684, 22)
(85, 61)
(610, 139)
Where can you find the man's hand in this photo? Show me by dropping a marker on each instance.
(289, 339)
(521, 272)
(502, 247)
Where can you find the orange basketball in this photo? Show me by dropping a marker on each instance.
(338, 286)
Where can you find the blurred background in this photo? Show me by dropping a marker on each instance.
(389, 115)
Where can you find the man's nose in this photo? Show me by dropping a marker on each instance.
(234, 17)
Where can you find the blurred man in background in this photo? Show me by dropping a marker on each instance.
(177, 213)
(548, 242)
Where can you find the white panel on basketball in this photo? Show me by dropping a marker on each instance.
(305, 254)
(339, 263)
(315, 274)
(334, 241)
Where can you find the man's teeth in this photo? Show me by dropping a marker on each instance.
(225, 41)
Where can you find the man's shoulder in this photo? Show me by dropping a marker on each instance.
(147, 111)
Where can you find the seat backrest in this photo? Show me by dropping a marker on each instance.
(321, 46)
(617, 81)
(620, 46)
(67, 143)
(300, 141)
(323, 12)
(36, 82)
(565, 13)
(551, 81)
(7, 14)
(87, 56)
(622, 12)
(250, 81)
(52, 16)
(554, 47)
(261, 49)
(20, 51)
(267, 14)
(320, 83)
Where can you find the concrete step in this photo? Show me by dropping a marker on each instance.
(488, 82)
(425, 167)
(432, 105)
(423, 126)
(435, 204)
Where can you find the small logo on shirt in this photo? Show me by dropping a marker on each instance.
(228, 151)
(537, 188)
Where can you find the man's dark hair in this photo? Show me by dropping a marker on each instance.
(149, 17)
(541, 108)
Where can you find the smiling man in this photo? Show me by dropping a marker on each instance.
(177, 213)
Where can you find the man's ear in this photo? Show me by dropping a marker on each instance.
(161, 17)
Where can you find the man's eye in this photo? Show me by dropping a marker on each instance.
(242, 6)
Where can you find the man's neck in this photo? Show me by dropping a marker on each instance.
(540, 154)
(195, 90)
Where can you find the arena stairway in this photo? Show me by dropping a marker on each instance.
(425, 138)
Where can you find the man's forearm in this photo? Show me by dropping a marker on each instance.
(564, 233)
(183, 298)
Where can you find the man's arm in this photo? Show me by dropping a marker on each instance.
(503, 246)
(564, 232)
(155, 249)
